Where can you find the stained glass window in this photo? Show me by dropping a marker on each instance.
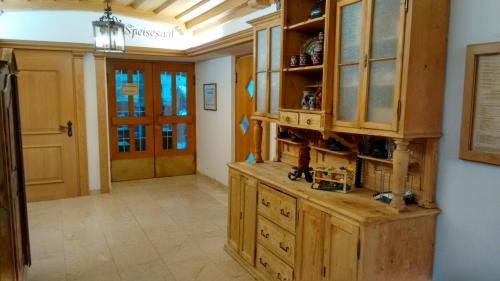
(167, 136)
(182, 136)
(121, 76)
(166, 93)
(139, 106)
(181, 93)
(140, 137)
(123, 139)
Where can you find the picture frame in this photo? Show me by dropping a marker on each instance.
(210, 96)
(480, 135)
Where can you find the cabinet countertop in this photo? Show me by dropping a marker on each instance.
(357, 205)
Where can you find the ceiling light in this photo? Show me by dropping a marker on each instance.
(109, 35)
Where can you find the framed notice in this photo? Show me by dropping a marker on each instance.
(130, 89)
(210, 96)
(480, 138)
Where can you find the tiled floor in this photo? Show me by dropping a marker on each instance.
(170, 229)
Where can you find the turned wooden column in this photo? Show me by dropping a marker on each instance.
(401, 160)
(258, 141)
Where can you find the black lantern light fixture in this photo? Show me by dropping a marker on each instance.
(109, 35)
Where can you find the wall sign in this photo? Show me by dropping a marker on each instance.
(210, 96)
(133, 31)
(130, 89)
(480, 139)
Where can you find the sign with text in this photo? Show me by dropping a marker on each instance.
(130, 89)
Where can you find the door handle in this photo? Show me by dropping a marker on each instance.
(68, 128)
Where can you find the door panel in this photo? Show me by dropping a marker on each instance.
(131, 120)
(175, 126)
(233, 230)
(249, 208)
(46, 94)
(341, 250)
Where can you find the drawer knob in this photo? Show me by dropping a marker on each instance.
(267, 204)
(263, 234)
(285, 249)
(278, 277)
(287, 119)
(308, 121)
(284, 213)
(264, 264)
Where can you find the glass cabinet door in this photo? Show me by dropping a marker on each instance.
(261, 67)
(275, 69)
(386, 24)
(349, 66)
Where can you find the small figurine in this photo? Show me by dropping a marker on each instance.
(303, 167)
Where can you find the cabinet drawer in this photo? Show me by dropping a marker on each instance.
(291, 118)
(277, 207)
(271, 266)
(276, 239)
(310, 120)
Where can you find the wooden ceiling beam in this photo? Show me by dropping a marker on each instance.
(192, 8)
(219, 9)
(15, 5)
(164, 5)
(137, 3)
(232, 14)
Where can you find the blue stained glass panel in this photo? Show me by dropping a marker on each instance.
(244, 125)
(250, 88)
(181, 93)
(123, 139)
(181, 136)
(121, 76)
(166, 93)
(139, 107)
(140, 138)
(250, 158)
(167, 136)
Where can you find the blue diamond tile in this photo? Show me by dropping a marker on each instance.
(250, 158)
(244, 125)
(250, 88)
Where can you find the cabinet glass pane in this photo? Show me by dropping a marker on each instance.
(262, 50)
(123, 139)
(121, 76)
(381, 91)
(166, 93)
(140, 137)
(181, 136)
(275, 88)
(181, 93)
(350, 33)
(385, 28)
(261, 91)
(348, 93)
(275, 47)
(167, 136)
(139, 108)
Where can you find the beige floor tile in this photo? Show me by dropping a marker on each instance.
(110, 274)
(134, 255)
(154, 271)
(46, 242)
(48, 269)
(198, 269)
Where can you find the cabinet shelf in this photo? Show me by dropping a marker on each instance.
(370, 158)
(290, 141)
(304, 68)
(341, 153)
(316, 24)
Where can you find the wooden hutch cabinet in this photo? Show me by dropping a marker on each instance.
(362, 84)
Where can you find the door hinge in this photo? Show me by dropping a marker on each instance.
(359, 249)
(241, 215)
(236, 77)
(407, 3)
(399, 110)
(194, 80)
(324, 271)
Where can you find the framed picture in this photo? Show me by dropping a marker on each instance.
(480, 136)
(210, 96)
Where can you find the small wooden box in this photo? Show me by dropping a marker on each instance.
(289, 151)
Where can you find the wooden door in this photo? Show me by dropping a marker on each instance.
(245, 104)
(175, 119)
(47, 102)
(310, 243)
(249, 219)
(383, 64)
(130, 103)
(233, 229)
(341, 250)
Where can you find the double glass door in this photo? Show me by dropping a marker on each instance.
(151, 117)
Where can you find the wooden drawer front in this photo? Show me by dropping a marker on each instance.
(310, 120)
(276, 239)
(291, 118)
(271, 266)
(277, 207)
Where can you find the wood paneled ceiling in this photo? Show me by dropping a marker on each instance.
(195, 15)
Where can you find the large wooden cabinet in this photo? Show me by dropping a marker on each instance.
(309, 235)
(242, 216)
(14, 237)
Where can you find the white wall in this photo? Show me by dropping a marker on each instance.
(215, 129)
(468, 230)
